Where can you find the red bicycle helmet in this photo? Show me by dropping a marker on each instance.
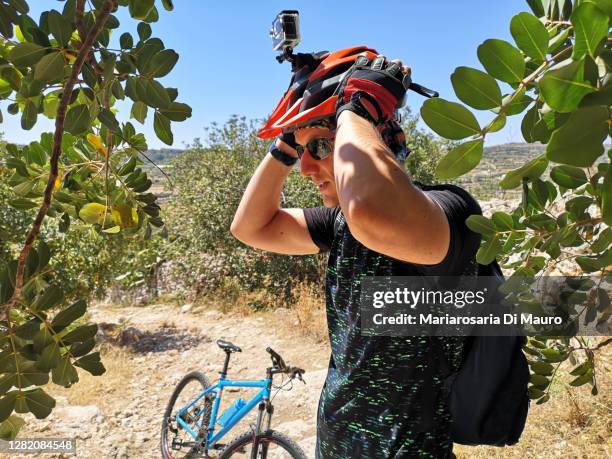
(311, 95)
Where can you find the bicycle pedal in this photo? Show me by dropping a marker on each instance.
(218, 446)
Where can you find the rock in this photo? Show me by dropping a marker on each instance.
(78, 414)
(186, 308)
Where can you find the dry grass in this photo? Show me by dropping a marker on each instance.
(101, 391)
(310, 311)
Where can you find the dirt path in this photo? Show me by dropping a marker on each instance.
(118, 415)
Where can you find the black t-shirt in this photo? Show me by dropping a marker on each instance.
(383, 395)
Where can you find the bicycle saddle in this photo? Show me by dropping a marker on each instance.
(227, 346)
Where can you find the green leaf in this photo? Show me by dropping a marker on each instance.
(80, 349)
(587, 377)
(93, 213)
(107, 118)
(50, 68)
(44, 255)
(26, 54)
(177, 111)
(579, 142)
(29, 115)
(139, 9)
(460, 160)
(603, 241)
(539, 380)
(7, 405)
(59, 27)
(480, 224)
(603, 5)
(489, 250)
(80, 334)
(564, 87)
(128, 166)
(37, 153)
(20, 5)
(156, 95)
(126, 41)
(502, 60)
(64, 374)
(532, 170)
(162, 63)
(542, 368)
(515, 104)
(38, 402)
(536, 7)
(476, 88)
(581, 369)
(449, 119)
(503, 221)
(568, 176)
(77, 119)
(10, 427)
(69, 315)
(50, 297)
(606, 197)
(161, 124)
(139, 111)
(590, 29)
(92, 364)
(535, 393)
(42, 339)
(49, 357)
(22, 204)
(530, 35)
(496, 124)
(144, 31)
(168, 6)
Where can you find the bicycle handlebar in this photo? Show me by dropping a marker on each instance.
(279, 364)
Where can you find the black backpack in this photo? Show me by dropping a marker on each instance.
(487, 396)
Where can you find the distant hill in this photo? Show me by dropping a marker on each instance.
(163, 155)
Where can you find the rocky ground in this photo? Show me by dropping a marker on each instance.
(148, 350)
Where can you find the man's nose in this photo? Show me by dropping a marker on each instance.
(308, 165)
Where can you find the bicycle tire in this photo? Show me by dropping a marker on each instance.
(165, 442)
(282, 446)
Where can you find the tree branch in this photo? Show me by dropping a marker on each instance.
(57, 150)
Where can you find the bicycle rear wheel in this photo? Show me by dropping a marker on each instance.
(176, 442)
(270, 445)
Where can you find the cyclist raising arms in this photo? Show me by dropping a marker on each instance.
(383, 395)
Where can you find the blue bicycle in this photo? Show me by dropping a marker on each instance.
(191, 429)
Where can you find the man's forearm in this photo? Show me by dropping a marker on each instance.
(261, 199)
(385, 211)
(367, 175)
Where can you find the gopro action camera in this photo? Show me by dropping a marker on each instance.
(285, 31)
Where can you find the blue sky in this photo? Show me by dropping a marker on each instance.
(227, 65)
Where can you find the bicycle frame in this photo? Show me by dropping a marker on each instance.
(212, 437)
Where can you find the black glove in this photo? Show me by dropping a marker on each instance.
(373, 89)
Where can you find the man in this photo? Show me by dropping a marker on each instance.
(383, 395)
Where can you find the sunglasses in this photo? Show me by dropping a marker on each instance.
(319, 148)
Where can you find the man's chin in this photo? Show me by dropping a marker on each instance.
(330, 201)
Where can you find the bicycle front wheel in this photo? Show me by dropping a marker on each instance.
(269, 445)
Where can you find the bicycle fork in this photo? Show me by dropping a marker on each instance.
(269, 408)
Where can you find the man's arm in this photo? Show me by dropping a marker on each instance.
(261, 223)
(384, 210)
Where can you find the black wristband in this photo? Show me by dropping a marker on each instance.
(281, 156)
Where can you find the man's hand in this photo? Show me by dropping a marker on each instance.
(374, 89)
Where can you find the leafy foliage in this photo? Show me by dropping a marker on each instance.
(559, 76)
(210, 181)
(87, 171)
